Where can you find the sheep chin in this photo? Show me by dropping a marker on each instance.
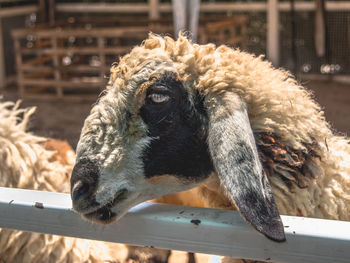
(103, 216)
(107, 213)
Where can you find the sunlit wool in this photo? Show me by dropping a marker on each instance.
(283, 116)
(26, 163)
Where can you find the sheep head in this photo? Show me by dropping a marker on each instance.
(158, 130)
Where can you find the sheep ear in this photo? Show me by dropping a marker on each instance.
(235, 158)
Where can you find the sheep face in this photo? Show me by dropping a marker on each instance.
(138, 144)
(154, 133)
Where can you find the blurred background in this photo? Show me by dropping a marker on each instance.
(56, 54)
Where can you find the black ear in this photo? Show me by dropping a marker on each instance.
(235, 158)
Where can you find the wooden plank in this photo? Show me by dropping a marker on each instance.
(331, 6)
(56, 64)
(76, 50)
(17, 11)
(102, 8)
(210, 231)
(18, 56)
(37, 61)
(39, 74)
(10, 1)
(207, 7)
(102, 57)
(55, 52)
(52, 11)
(120, 21)
(42, 13)
(223, 7)
(2, 60)
(216, 7)
(273, 52)
(153, 12)
(64, 83)
(76, 98)
(94, 32)
(70, 68)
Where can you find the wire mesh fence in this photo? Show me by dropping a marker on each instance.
(297, 42)
(305, 59)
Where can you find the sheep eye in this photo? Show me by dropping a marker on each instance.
(158, 98)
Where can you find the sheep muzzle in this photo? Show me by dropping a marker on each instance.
(83, 185)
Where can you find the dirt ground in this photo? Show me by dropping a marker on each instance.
(63, 119)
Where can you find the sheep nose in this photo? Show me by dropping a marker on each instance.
(84, 182)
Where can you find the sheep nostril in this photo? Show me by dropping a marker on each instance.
(84, 181)
(80, 190)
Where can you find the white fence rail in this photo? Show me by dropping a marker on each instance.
(210, 231)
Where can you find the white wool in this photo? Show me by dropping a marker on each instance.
(25, 163)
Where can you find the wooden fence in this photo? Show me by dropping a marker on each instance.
(74, 62)
(54, 67)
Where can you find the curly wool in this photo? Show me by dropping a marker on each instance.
(275, 101)
(25, 163)
(276, 105)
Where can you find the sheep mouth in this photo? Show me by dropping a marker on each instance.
(105, 215)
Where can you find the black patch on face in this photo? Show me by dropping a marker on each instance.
(179, 146)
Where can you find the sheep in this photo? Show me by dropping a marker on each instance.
(32, 162)
(177, 115)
